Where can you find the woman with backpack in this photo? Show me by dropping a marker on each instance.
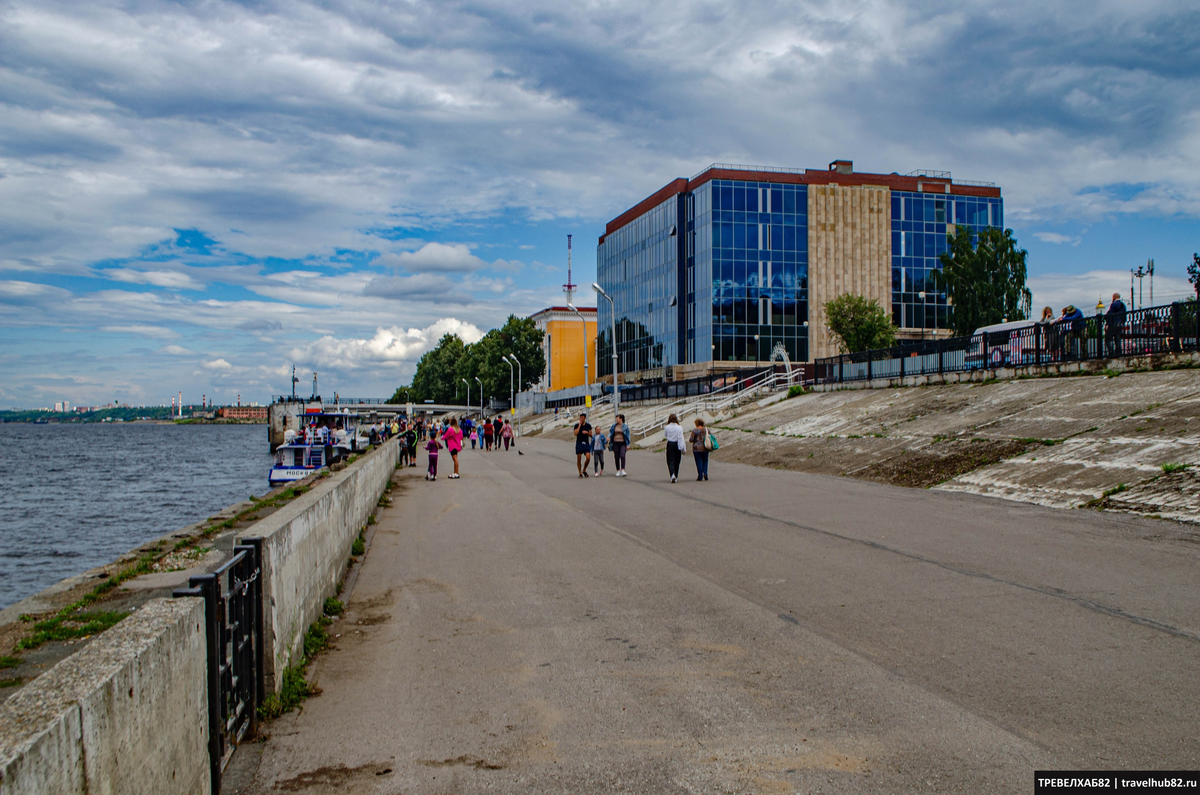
(700, 449)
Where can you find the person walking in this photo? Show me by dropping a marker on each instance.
(618, 440)
(432, 448)
(1115, 320)
(452, 436)
(497, 427)
(673, 433)
(409, 439)
(583, 445)
(506, 433)
(599, 442)
(700, 449)
(487, 435)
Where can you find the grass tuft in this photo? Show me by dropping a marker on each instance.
(7, 661)
(67, 626)
(1171, 468)
(334, 607)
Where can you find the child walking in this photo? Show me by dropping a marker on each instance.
(599, 442)
(432, 448)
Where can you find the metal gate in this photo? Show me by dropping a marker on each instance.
(233, 616)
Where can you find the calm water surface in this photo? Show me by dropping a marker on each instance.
(77, 496)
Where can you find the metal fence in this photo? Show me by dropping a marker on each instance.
(1142, 332)
(233, 615)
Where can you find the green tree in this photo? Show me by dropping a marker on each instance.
(441, 371)
(1194, 274)
(402, 394)
(859, 324)
(434, 379)
(984, 279)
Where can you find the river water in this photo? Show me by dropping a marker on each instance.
(75, 496)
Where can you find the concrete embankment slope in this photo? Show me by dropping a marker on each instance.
(1060, 442)
(129, 712)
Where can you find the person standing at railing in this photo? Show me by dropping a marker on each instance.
(1071, 326)
(673, 434)
(1115, 322)
(618, 440)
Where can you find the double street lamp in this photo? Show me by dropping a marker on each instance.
(613, 312)
(519, 381)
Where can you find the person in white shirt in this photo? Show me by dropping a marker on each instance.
(674, 436)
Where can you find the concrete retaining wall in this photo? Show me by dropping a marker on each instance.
(305, 548)
(127, 714)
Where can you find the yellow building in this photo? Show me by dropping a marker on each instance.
(564, 346)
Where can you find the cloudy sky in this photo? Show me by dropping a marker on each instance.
(198, 195)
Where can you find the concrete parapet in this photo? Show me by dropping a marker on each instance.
(305, 548)
(126, 714)
(1132, 363)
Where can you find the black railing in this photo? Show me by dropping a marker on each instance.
(233, 616)
(1143, 332)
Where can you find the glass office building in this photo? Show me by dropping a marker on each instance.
(716, 268)
(920, 222)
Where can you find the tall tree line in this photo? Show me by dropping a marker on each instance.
(441, 371)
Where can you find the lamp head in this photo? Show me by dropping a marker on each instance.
(572, 307)
(599, 289)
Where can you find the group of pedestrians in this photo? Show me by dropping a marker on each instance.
(591, 444)
(1065, 333)
(490, 434)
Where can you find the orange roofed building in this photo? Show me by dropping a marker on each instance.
(563, 343)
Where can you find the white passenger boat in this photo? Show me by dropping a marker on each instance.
(325, 439)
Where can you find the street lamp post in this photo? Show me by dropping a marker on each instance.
(521, 381)
(480, 397)
(924, 313)
(468, 383)
(512, 395)
(613, 310)
(587, 392)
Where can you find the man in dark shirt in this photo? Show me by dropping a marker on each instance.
(1115, 320)
(583, 445)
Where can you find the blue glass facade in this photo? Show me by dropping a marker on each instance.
(757, 269)
(920, 222)
(638, 266)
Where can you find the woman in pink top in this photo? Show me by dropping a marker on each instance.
(452, 436)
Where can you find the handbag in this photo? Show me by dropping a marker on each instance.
(710, 442)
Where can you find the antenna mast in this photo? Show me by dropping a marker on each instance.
(569, 288)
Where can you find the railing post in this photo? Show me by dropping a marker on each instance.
(941, 348)
(1175, 346)
(868, 367)
(901, 367)
(1037, 344)
(209, 590)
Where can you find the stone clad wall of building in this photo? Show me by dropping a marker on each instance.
(564, 348)
(849, 251)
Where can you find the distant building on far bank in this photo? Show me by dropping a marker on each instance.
(255, 413)
(563, 343)
(713, 272)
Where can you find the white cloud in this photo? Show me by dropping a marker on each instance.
(170, 279)
(175, 350)
(217, 365)
(436, 258)
(1056, 238)
(389, 346)
(1057, 290)
(154, 332)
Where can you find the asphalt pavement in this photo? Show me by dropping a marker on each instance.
(523, 630)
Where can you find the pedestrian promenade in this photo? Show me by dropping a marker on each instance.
(522, 630)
